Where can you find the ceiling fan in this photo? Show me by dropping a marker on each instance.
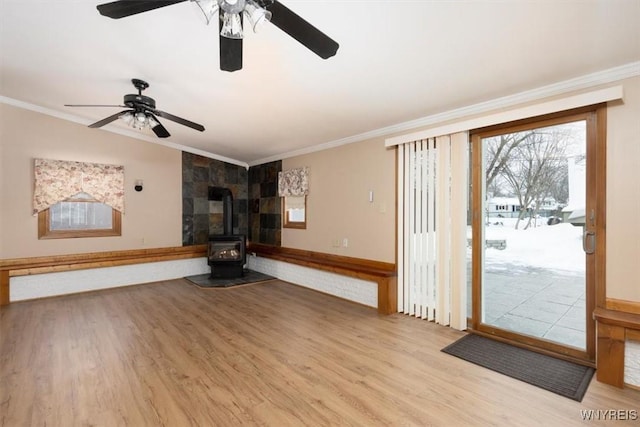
(231, 22)
(142, 113)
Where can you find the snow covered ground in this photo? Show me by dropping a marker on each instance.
(551, 247)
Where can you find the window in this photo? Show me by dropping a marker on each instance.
(77, 199)
(294, 212)
(293, 187)
(79, 216)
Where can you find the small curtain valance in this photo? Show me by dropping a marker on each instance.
(293, 182)
(57, 180)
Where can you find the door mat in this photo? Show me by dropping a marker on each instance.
(249, 277)
(565, 378)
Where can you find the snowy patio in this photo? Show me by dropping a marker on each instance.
(535, 285)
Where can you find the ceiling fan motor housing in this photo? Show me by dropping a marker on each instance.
(142, 109)
(138, 101)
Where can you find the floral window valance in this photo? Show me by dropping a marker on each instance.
(293, 182)
(57, 180)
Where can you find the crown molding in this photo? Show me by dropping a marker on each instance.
(464, 124)
(114, 129)
(587, 81)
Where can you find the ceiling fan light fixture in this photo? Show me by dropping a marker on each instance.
(151, 122)
(127, 118)
(257, 15)
(208, 8)
(232, 6)
(139, 120)
(231, 26)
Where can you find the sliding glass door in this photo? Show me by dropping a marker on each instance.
(534, 243)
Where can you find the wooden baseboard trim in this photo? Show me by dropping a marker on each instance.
(365, 266)
(382, 273)
(632, 386)
(58, 263)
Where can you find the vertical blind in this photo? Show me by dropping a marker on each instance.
(432, 212)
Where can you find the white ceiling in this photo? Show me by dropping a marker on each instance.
(398, 61)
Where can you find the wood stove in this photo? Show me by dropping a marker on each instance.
(226, 253)
(227, 256)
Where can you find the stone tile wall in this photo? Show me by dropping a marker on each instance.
(264, 204)
(201, 217)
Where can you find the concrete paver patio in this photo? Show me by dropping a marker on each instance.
(533, 301)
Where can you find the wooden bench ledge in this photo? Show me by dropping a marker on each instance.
(373, 268)
(617, 318)
(57, 263)
(382, 273)
(614, 329)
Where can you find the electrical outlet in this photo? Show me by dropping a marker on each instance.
(345, 243)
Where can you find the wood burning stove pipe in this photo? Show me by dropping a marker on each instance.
(224, 194)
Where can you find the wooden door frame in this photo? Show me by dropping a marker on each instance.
(595, 117)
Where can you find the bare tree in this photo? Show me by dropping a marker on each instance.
(535, 167)
(499, 152)
(560, 189)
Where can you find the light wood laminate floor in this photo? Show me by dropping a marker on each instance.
(172, 354)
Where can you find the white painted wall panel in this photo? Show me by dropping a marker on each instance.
(349, 288)
(68, 282)
(632, 363)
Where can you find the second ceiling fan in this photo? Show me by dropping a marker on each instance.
(231, 22)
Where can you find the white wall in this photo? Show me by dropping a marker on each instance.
(338, 204)
(623, 195)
